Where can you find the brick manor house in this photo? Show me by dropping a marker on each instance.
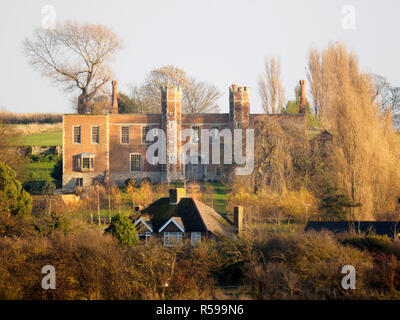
(113, 146)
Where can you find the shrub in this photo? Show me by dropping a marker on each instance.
(307, 263)
(121, 227)
(57, 172)
(39, 187)
(34, 157)
(48, 224)
(373, 243)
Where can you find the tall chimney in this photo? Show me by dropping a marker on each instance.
(114, 105)
(302, 108)
(175, 195)
(238, 218)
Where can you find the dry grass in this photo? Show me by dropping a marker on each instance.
(33, 128)
(25, 118)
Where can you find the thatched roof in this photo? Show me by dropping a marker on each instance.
(192, 215)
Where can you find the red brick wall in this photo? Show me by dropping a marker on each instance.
(70, 149)
(120, 153)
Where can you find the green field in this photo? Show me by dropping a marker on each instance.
(41, 170)
(220, 196)
(49, 138)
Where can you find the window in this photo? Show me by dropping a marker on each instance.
(136, 162)
(196, 134)
(214, 133)
(125, 135)
(85, 162)
(95, 134)
(195, 238)
(171, 238)
(77, 134)
(79, 182)
(218, 171)
(145, 130)
(145, 235)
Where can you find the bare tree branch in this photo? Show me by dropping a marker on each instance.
(75, 57)
(270, 86)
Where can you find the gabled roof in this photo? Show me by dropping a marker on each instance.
(189, 215)
(213, 221)
(145, 220)
(175, 220)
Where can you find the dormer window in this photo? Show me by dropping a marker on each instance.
(85, 162)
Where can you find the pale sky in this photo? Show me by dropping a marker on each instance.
(221, 42)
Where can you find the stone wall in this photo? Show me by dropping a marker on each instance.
(39, 150)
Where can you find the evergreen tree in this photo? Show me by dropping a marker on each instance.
(121, 227)
(13, 198)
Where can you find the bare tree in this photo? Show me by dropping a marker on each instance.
(270, 86)
(387, 96)
(273, 167)
(75, 57)
(319, 70)
(198, 97)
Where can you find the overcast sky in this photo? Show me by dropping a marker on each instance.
(222, 42)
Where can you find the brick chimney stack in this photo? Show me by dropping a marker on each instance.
(114, 105)
(303, 102)
(175, 195)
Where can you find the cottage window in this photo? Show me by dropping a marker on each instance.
(195, 238)
(145, 236)
(136, 162)
(95, 134)
(171, 238)
(77, 134)
(145, 130)
(125, 135)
